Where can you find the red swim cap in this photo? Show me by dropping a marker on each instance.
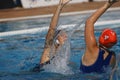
(108, 38)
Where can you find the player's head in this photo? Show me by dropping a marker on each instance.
(108, 38)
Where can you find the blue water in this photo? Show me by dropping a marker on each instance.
(20, 53)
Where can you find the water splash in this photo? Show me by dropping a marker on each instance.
(61, 60)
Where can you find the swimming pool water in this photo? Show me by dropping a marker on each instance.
(19, 53)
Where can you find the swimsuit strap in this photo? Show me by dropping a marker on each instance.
(108, 58)
(96, 67)
(99, 64)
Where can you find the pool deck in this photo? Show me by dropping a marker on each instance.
(20, 12)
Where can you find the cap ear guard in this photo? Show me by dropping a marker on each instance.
(107, 37)
(57, 42)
